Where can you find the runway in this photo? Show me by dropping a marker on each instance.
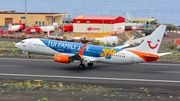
(161, 74)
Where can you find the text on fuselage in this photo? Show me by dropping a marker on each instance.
(62, 45)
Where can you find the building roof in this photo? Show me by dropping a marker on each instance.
(99, 19)
(7, 11)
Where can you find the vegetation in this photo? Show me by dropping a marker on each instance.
(170, 27)
(96, 42)
(41, 90)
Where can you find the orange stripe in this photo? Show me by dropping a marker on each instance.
(148, 57)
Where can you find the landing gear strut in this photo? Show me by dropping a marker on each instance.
(29, 56)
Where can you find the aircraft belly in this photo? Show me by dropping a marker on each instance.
(113, 60)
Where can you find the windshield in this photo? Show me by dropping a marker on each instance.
(22, 41)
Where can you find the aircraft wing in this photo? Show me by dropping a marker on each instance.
(92, 59)
(127, 43)
(86, 58)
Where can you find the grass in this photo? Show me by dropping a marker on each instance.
(39, 90)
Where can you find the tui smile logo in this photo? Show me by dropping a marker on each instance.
(152, 47)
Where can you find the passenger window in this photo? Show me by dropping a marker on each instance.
(22, 41)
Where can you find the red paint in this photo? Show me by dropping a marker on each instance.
(68, 28)
(99, 19)
(177, 41)
(152, 47)
(90, 28)
(2, 32)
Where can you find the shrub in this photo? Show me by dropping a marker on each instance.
(96, 42)
(171, 27)
(172, 46)
(44, 99)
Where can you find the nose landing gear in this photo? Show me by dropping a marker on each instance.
(29, 56)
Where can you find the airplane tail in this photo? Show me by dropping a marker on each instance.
(152, 43)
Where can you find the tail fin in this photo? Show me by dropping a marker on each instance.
(152, 43)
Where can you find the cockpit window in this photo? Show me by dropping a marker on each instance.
(22, 41)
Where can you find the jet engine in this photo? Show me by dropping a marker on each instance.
(62, 58)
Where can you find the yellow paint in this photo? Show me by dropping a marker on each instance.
(107, 53)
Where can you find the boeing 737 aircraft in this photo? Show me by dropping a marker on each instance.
(66, 52)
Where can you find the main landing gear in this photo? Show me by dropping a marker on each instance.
(81, 66)
(90, 64)
(29, 56)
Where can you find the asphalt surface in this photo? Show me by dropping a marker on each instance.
(161, 74)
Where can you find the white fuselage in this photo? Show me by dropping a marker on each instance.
(120, 57)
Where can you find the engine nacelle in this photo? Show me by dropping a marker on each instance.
(62, 58)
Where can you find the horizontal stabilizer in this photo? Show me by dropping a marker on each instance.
(166, 53)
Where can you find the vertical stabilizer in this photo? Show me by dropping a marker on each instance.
(152, 43)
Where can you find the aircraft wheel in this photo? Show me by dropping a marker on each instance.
(29, 57)
(90, 64)
(81, 66)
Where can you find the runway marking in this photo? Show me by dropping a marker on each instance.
(174, 72)
(164, 64)
(90, 78)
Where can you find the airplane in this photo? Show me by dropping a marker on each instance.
(67, 52)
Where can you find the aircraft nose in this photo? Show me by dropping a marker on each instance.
(17, 45)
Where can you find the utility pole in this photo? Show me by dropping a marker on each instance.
(25, 12)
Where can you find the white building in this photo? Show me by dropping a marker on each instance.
(98, 24)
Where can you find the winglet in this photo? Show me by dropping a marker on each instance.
(126, 44)
(130, 40)
(80, 53)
